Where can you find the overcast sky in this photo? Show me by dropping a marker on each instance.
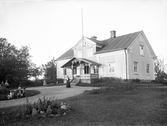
(52, 27)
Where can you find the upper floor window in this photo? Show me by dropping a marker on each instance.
(148, 68)
(65, 71)
(141, 50)
(89, 52)
(135, 67)
(111, 67)
(84, 43)
(79, 53)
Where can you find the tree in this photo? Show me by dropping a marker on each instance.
(35, 71)
(50, 70)
(14, 63)
(160, 68)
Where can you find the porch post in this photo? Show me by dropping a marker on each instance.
(90, 72)
(80, 68)
(72, 71)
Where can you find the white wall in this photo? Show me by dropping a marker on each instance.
(116, 57)
(134, 55)
(60, 63)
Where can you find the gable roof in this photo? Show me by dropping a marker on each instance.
(119, 43)
(67, 55)
(111, 44)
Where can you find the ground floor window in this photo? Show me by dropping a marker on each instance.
(111, 67)
(74, 70)
(86, 69)
(96, 70)
(148, 68)
(135, 67)
(65, 71)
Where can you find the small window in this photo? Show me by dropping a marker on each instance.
(86, 69)
(141, 50)
(135, 67)
(84, 43)
(111, 68)
(65, 71)
(148, 68)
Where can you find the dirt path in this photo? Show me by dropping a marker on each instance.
(58, 92)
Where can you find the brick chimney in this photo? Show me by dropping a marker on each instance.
(113, 34)
(94, 37)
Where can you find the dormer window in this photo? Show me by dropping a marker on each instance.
(141, 50)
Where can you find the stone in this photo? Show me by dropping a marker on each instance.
(34, 112)
(49, 110)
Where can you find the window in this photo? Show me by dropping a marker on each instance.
(95, 69)
(84, 43)
(111, 68)
(141, 50)
(135, 67)
(79, 53)
(65, 71)
(148, 68)
(89, 52)
(86, 69)
(74, 70)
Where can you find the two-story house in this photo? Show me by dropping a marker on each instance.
(128, 56)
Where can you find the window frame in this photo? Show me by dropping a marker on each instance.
(135, 67)
(86, 69)
(64, 71)
(111, 67)
(142, 50)
(147, 68)
(96, 70)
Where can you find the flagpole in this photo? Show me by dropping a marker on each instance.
(82, 21)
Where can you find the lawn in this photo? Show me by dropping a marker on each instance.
(137, 105)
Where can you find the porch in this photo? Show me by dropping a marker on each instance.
(82, 69)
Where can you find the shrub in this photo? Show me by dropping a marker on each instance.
(46, 107)
(59, 80)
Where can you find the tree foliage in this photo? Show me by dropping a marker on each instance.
(50, 70)
(160, 68)
(15, 63)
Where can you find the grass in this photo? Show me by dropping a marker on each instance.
(28, 93)
(122, 105)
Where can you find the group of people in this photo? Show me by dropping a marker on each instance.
(19, 93)
(6, 84)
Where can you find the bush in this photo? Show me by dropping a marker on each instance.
(3, 89)
(59, 80)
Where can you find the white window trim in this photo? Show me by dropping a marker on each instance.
(142, 50)
(109, 65)
(135, 65)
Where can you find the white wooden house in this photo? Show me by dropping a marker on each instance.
(128, 56)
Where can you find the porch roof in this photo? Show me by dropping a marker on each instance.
(69, 63)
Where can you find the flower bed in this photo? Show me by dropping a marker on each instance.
(43, 108)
